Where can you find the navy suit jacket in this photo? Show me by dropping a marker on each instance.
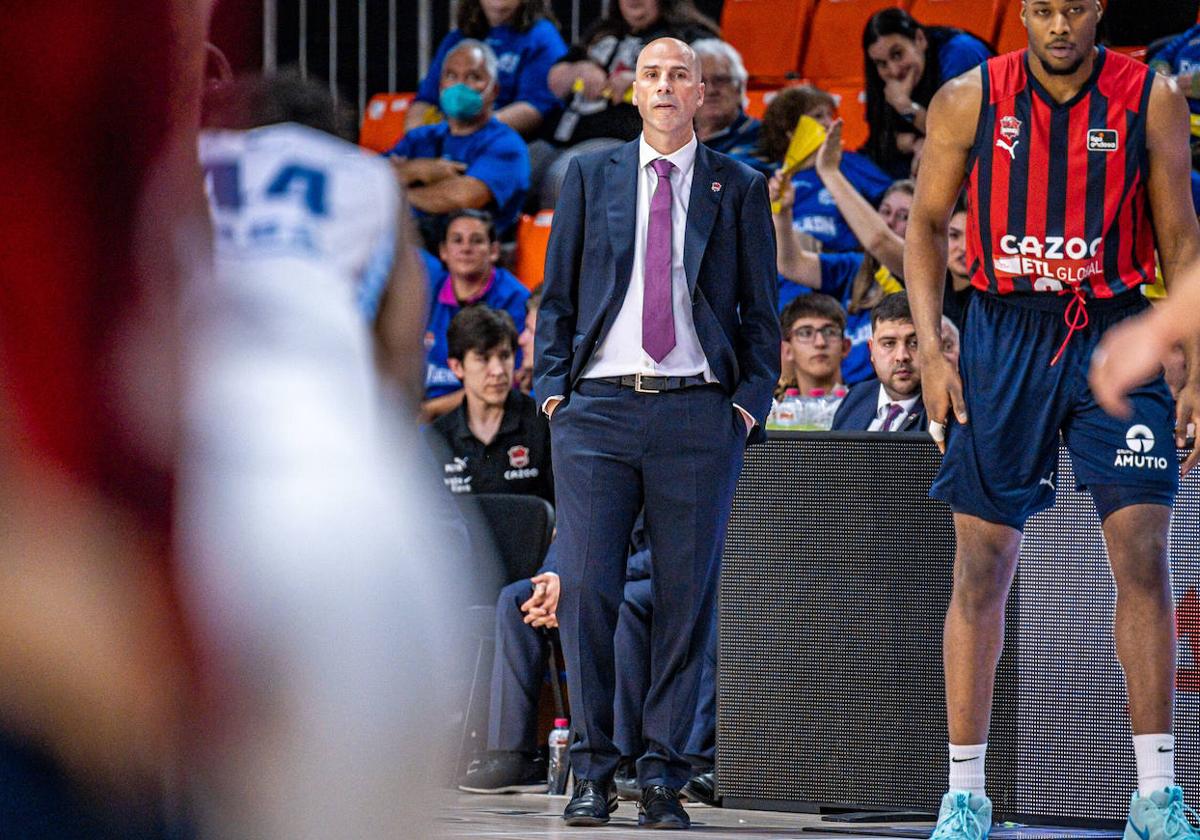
(728, 257)
(858, 410)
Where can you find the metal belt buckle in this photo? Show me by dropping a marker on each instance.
(637, 385)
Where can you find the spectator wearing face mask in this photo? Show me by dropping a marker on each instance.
(470, 161)
(524, 35)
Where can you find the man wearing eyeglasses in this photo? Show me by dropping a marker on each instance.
(814, 344)
(891, 402)
(721, 123)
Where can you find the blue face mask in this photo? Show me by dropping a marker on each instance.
(460, 102)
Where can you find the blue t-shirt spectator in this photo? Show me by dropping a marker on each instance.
(957, 53)
(740, 139)
(815, 211)
(789, 291)
(502, 291)
(1182, 55)
(434, 269)
(523, 60)
(837, 280)
(495, 154)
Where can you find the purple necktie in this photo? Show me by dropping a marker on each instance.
(658, 322)
(894, 411)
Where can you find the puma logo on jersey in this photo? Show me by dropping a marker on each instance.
(1010, 128)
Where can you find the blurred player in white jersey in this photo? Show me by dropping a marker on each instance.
(307, 539)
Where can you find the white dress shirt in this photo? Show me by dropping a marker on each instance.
(621, 352)
(881, 411)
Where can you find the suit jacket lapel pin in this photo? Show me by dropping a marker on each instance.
(716, 186)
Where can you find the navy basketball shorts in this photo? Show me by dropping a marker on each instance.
(1001, 466)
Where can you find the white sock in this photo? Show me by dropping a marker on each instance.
(1155, 762)
(966, 768)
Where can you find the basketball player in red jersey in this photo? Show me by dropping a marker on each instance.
(1072, 156)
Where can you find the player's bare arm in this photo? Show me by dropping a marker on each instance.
(953, 117)
(402, 312)
(1135, 353)
(1176, 229)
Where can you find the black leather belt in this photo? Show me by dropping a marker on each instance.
(653, 384)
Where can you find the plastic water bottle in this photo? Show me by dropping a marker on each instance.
(813, 409)
(560, 762)
(787, 415)
(824, 406)
(832, 401)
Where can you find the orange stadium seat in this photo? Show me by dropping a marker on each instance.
(979, 17)
(383, 122)
(770, 35)
(1136, 53)
(852, 108)
(834, 48)
(533, 236)
(759, 99)
(1010, 32)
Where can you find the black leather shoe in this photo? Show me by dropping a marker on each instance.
(506, 772)
(702, 788)
(591, 803)
(659, 807)
(626, 781)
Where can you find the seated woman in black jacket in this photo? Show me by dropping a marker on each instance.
(905, 65)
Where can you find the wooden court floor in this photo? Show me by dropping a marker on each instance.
(534, 816)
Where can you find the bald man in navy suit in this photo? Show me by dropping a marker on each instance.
(657, 352)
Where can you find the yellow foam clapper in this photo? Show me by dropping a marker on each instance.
(1195, 122)
(806, 139)
(887, 281)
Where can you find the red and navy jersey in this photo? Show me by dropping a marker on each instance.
(1057, 192)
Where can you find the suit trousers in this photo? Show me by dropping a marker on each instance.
(678, 453)
(518, 669)
(634, 627)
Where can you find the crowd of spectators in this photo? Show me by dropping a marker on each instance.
(506, 104)
(504, 108)
(466, 275)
